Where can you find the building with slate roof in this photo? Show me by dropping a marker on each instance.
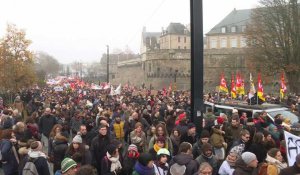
(229, 33)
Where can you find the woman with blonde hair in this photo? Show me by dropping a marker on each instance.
(205, 169)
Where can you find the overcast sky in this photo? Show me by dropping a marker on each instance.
(79, 30)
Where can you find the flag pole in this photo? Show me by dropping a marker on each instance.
(257, 98)
(219, 95)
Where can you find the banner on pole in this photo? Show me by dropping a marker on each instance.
(292, 147)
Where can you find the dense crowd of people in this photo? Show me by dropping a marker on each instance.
(91, 132)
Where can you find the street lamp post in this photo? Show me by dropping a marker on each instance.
(175, 75)
(107, 59)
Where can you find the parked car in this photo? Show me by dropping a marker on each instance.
(271, 109)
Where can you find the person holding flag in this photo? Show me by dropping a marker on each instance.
(252, 88)
(282, 87)
(260, 89)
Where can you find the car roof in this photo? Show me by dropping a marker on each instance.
(239, 105)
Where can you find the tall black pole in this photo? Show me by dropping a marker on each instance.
(107, 60)
(196, 17)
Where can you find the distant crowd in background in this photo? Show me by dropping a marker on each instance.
(83, 131)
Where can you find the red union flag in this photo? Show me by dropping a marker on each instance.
(260, 89)
(282, 86)
(223, 85)
(233, 90)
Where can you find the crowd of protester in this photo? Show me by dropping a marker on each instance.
(90, 132)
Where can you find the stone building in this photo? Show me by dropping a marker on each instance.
(165, 55)
(164, 60)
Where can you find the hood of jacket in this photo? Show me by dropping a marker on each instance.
(183, 159)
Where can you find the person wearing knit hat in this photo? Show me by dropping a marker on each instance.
(68, 166)
(41, 159)
(207, 156)
(78, 147)
(275, 161)
(246, 164)
(77, 139)
(160, 164)
(197, 147)
(144, 165)
(130, 158)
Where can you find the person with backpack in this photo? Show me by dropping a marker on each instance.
(36, 162)
(161, 166)
(183, 163)
(8, 153)
(274, 163)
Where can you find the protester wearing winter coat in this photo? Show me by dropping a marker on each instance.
(207, 156)
(78, 147)
(10, 159)
(161, 131)
(184, 157)
(275, 161)
(130, 159)
(197, 147)
(110, 164)
(228, 166)
(257, 147)
(161, 166)
(98, 147)
(144, 165)
(246, 164)
(41, 160)
(138, 137)
(60, 146)
(295, 169)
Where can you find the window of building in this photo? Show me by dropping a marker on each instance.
(149, 67)
(179, 39)
(243, 42)
(233, 29)
(213, 43)
(113, 76)
(223, 42)
(223, 29)
(178, 47)
(243, 28)
(184, 47)
(158, 69)
(233, 42)
(184, 39)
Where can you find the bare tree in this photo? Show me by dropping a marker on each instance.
(274, 39)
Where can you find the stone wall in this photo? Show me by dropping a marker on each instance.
(158, 68)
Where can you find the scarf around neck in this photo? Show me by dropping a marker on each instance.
(156, 147)
(144, 170)
(115, 162)
(36, 154)
(276, 162)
